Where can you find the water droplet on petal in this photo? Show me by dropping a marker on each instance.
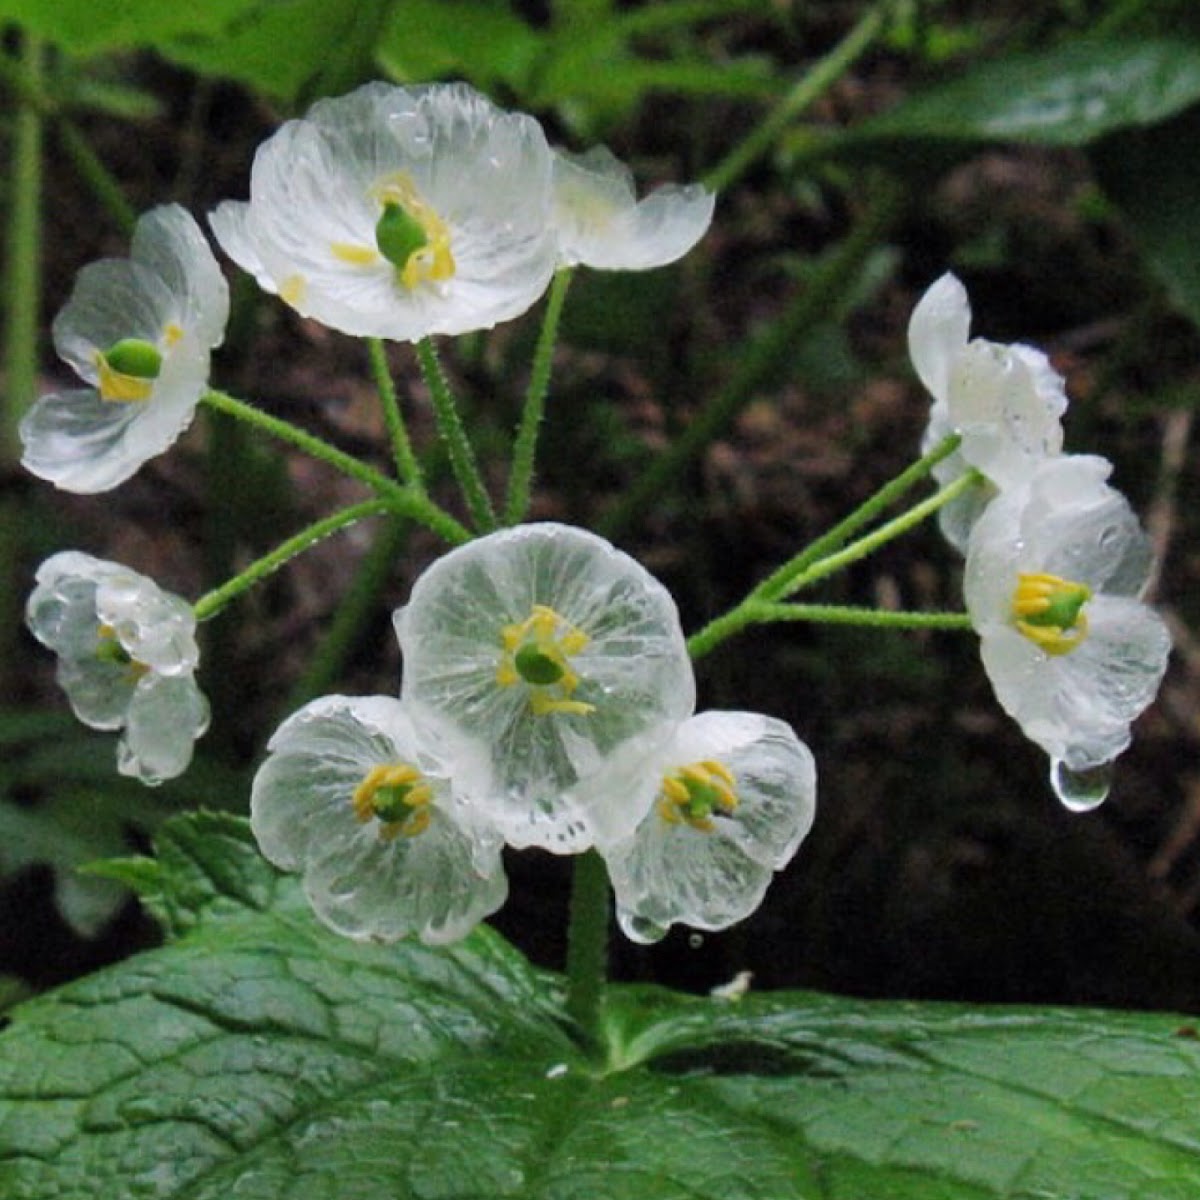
(640, 929)
(695, 940)
(1080, 791)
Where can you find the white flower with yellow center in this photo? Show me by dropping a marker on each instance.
(1006, 401)
(139, 332)
(126, 659)
(351, 797)
(599, 221)
(1053, 574)
(399, 212)
(728, 801)
(541, 657)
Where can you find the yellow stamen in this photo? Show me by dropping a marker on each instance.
(292, 289)
(432, 262)
(118, 387)
(536, 652)
(693, 794)
(356, 256)
(1048, 611)
(398, 796)
(172, 333)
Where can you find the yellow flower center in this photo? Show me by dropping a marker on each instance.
(1049, 611)
(128, 369)
(109, 649)
(398, 796)
(693, 794)
(537, 652)
(409, 234)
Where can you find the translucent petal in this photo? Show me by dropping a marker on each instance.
(100, 692)
(156, 628)
(61, 612)
(166, 715)
(231, 222)
(957, 518)
(937, 333)
(634, 672)
(599, 222)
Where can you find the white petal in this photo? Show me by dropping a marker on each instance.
(156, 628)
(937, 333)
(61, 612)
(100, 692)
(165, 717)
(231, 222)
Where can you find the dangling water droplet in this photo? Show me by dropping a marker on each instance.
(695, 940)
(1080, 791)
(640, 929)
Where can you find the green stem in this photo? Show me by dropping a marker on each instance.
(520, 480)
(212, 603)
(97, 176)
(402, 500)
(24, 250)
(765, 357)
(407, 466)
(458, 446)
(587, 942)
(810, 87)
(777, 583)
(762, 613)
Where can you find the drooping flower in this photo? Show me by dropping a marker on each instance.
(139, 331)
(355, 800)
(1053, 575)
(728, 801)
(544, 656)
(599, 221)
(126, 659)
(1006, 401)
(399, 212)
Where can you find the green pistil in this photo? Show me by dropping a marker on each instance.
(536, 667)
(703, 800)
(1062, 609)
(111, 651)
(134, 357)
(398, 235)
(390, 804)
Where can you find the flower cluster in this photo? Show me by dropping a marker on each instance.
(1055, 558)
(546, 701)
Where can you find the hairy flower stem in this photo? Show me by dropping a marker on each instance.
(587, 942)
(213, 602)
(755, 608)
(778, 583)
(407, 466)
(403, 500)
(454, 434)
(525, 448)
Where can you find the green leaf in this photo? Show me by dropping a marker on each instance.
(1069, 95)
(259, 1057)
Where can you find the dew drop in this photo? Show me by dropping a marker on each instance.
(695, 940)
(1080, 791)
(640, 929)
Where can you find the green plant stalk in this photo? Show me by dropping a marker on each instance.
(587, 942)
(807, 90)
(96, 175)
(778, 582)
(739, 617)
(402, 499)
(762, 360)
(23, 255)
(520, 480)
(213, 602)
(407, 466)
(454, 434)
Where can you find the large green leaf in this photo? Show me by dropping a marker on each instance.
(1070, 95)
(258, 1057)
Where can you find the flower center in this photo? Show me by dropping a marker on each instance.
(129, 367)
(409, 234)
(110, 650)
(693, 794)
(398, 796)
(1049, 611)
(537, 652)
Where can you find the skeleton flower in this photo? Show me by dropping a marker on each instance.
(600, 223)
(399, 212)
(126, 656)
(139, 332)
(728, 801)
(1006, 401)
(1053, 574)
(543, 656)
(354, 799)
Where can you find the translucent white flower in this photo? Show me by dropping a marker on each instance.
(399, 212)
(728, 801)
(139, 332)
(1053, 574)
(600, 223)
(1006, 401)
(126, 656)
(544, 656)
(354, 799)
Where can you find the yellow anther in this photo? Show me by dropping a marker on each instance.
(356, 256)
(433, 261)
(119, 387)
(1048, 611)
(398, 796)
(536, 652)
(172, 334)
(292, 290)
(694, 793)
